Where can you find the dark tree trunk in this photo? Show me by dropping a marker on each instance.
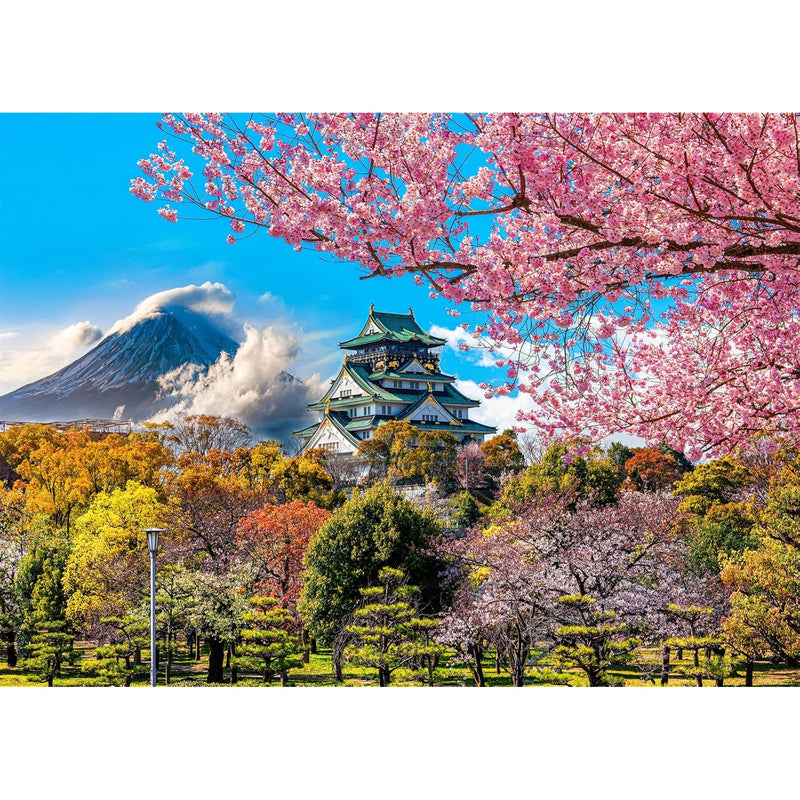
(284, 677)
(228, 658)
(313, 646)
(476, 665)
(665, 665)
(216, 658)
(337, 668)
(748, 672)
(137, 657)
(197, 647)
(383, 676)
(11, 651)
(128, 671)
(679, 654)
(696, 661)
(306, 646)
(234, 668)
(168, 669)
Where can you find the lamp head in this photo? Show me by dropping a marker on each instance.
(152, 539)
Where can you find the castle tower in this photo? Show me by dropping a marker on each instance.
(390, 372)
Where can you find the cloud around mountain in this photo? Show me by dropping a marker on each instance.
(213, 300)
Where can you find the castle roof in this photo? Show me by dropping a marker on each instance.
(398, 328)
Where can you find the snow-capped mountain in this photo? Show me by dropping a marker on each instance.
(118, 379)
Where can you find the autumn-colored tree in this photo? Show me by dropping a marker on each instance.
(58, 481)
(717, 482)
(765, 582)
(304, 478)
(400, 452)
(650, 470)
(107, 574)
(503, 455)
(564, 229)
(275, 539)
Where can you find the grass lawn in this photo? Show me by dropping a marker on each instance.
(318, 672)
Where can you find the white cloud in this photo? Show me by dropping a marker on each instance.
(255, 386)
(458, 336)
(80, 334)
(212, 299)
(498, 411)
(42, 351)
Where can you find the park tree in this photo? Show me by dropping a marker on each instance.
(304, 478)
(579, 578)
(275, 539)
(718, 482)
(388, 634)
(202, 433)
(562, 471)
(268, 646)
(765, 581)
(571, 232)
(216, 609)
(503, 456)
(650, 470)
(590, 638)
(377, 529)
(116, 657)
(400, 452)
(107, 574)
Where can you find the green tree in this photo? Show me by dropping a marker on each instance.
(388, 633)
(560, 471)
(50, 648)
(115, 660)
(267, 645)
(377, 529)
(714, 483)
(590, 639)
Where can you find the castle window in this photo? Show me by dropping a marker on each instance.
(345, 393)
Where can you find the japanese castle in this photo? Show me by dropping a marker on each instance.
(390, 372)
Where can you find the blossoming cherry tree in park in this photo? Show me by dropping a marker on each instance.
(634, 272)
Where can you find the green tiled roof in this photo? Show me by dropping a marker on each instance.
(401, 328)
(467, 427)
(306, 433)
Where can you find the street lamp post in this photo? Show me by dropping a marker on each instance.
(152, 546)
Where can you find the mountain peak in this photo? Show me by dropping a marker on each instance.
(119, 376)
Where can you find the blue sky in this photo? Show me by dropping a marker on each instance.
(76, 246)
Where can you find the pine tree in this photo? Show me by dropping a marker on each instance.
(267, 646)
(50, 648)
(387, 630)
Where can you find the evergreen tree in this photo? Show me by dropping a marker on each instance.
(377, 529)
(388, 633)
(267, 645)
